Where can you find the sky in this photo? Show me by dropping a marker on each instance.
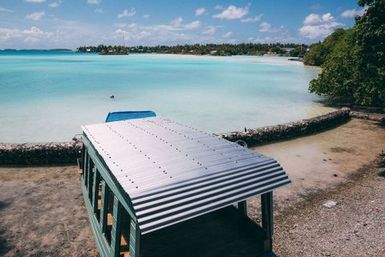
(74, 23)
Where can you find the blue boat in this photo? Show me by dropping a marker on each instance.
(128, 115)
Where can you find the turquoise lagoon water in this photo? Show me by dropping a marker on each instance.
(47, 96)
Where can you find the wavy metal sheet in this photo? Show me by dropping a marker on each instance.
(173, 172)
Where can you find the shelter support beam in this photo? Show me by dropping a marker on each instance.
(91, 174)
(116, 228)
(267, 220)
(134, 239)
(95, 190)
(86, 170)
(103, 210)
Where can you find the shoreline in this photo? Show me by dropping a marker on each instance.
(354, 227)
(66, 153)
(321, 161)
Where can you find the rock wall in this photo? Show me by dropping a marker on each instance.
(378, 117)
(40, 154)
(265, 135)
(67, 153)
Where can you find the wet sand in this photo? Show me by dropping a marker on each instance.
(321, 161)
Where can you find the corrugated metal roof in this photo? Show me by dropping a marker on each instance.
(173, 172)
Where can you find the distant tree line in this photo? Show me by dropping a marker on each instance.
(353, 60)
(104, 49)
(295, 50)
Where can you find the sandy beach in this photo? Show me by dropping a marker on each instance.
(321, 161)
(43, 212)
(355, 227)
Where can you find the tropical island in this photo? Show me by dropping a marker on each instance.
(104, 50)
(278, 49)
(335, 161)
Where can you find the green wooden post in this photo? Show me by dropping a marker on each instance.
(116, 228)
(267, 220)
(82, 160)
(95, 190)
(86, 170)
(134, 239)
(103, 210)
(242, 206)
(91, 176)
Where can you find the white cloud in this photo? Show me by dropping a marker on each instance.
(232, 13)
(254, 19)
(34, 34)
(6, 34)
(35, 16)
(353, 13)
(57, 33)
(264, 27)
(174, 32)
(210, 30)
(312, 19)
(327, 17)
(267, 27)
(152, 34)
(218, 7)
(227, 34)
(200, 11)
(146, 16)
(127, 13)
(317, 27)
(193, 25)
(35, 1)
(177, 22)
(94, 1)
(6, 10)
(55, 4)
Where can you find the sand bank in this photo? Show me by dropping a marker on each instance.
(355, 227)
(321, 161)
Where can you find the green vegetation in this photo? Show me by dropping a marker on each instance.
(104, 50)
(294, 50)
(317, 53)
(353, 61)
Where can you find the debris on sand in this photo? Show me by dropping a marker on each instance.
(329, 204)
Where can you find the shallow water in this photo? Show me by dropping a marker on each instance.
(47, 96)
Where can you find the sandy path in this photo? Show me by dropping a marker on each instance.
(42, 213)
(324, 160)
(355, 227)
